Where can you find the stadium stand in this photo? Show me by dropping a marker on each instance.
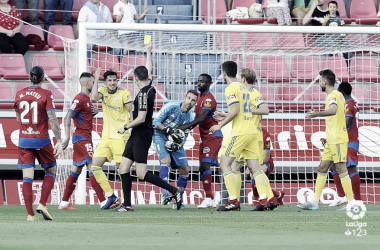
(374, 96)
(221, 11)
(274, 69)
(78, 4)
(50, 64)
(128, 63)
(290, 41)
(287, 92)
(6, 92)
(304, 68)
(314, 94)
(58, 96)
(342, 11)
(338, 65)
(364, 69)
(268, 95)
(259, 41)
(106, 62)
(363, 12)
(12, 67)
(246, 3)
(61, 30)
(34, 30)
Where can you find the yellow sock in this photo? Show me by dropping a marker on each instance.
(319, 185)
(347, 187)
(268, 188)
(260, 177)
(237, 176)
(229, 180)
(102, 179)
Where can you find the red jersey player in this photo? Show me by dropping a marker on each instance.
(81, 111)
(34, 107)
(210, 143)
(352, 117)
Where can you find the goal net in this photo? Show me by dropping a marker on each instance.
(287, 61)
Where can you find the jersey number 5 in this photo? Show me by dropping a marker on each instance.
(27, 107)
(247, 103)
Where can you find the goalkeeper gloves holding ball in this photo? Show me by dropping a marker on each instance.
(171, 146)
(176, 134)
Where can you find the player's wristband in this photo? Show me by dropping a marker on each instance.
(125, 127)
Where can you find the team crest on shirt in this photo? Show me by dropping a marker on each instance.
(208, 103)
(117, 98)
(231, 97)
(259, 99)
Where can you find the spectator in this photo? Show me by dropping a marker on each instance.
(279, 9)
(94, 11)
(125, 12)
(10, 27)
(32, 8)
(66, 8)
(301, 8)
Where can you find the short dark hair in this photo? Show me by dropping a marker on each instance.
(37, 74)
(109, 73)
(230, 68)
(141, 72)
(345, 88)
(208, 77)
(192, 91)
(328, 75)
(333, 2)
(86, 74)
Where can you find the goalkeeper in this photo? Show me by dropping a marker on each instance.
(169, 140)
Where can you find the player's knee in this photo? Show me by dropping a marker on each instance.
(140, 173)
(184, 170)
(352, 169)
(77, 170)
(166, 160)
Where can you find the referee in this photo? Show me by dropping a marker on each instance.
(138, 144)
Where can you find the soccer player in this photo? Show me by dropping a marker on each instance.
(117, 110)
(335, 150)
(244, 139)
(352, 116)
(81, 111)
(210, 143)
(34, 107)
(171, 153)
(258, 108)
(136, 150)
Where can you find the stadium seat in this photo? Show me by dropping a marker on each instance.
(290, 41)
(64, 67)
(246, 3)
(363, 12)
(228, 41)
(170, 12)
(338, 65)
(364, 69)
(245, 62)
(342, 10)
(274, 69)
(29, 29)
(130, 62)
(56, 42)
(257, 41)
(12, 67)
(221, 11)
(5, 92)
(58, 96)
(267, 92)
(358, 93)
(106, 62)
(287, 93)
(304, 68)
(374, 97)
(161, 88)
(315, 94)
(78, 4)
(50, 64)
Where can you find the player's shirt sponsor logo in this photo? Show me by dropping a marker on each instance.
(29, 131)
(206, 149)
(259, 99)
(232, 97)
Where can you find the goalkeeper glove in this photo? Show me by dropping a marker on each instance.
(171, 146)
(176, 134)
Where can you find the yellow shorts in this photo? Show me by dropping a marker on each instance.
(335, 152)
(248, 147)
(110, 147)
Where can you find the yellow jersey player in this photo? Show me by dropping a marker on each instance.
(335, 150)
(242, 139)
(117, 110)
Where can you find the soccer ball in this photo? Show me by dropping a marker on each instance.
(179, 133)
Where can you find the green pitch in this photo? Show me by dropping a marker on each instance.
(158, 227)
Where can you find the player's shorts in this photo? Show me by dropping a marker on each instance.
(27, 156)
(138, 145)
(83, 152)
(209, 149)
(247, 147)
(352, 157)
(110, 147)
(335, 152)
(270, 167)
(178, 158)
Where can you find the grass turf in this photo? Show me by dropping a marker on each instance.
(158, 227)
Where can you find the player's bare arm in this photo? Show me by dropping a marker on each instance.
(67, 124)
(95, 95)
(94, 110)
(55, 127)
(262, 110)
(328, 112)
(219, 115)
(128, 106)
(348, 121)
(149, 65)
(196, 121)
(18, 118)
(266, 156)
(140, 119)
(234, 111)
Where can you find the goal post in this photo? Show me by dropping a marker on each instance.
(287, 61)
